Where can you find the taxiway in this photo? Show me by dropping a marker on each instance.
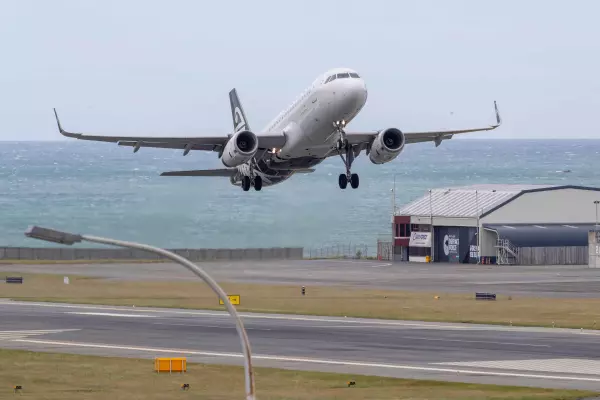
(539, 281)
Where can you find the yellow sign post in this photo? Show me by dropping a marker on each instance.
(233, 298)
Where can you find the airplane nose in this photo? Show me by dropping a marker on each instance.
(346, 97)
(356, 94)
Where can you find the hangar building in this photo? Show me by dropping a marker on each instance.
(511, 224)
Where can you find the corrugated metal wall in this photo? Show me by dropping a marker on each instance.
(572, 255)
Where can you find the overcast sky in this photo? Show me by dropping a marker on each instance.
(165, 67)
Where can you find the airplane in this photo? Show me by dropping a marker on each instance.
(304, 134)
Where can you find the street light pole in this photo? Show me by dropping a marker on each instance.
(596, 243)
(70, 239)
(394, 202)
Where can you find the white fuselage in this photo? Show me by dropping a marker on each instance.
(308, 124)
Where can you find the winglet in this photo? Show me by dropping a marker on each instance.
(61, 130)
(498, 119)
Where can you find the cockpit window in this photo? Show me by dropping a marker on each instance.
(329, 79)
(354, 75)
(344, 75)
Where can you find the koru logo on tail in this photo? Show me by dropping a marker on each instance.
(238, 119)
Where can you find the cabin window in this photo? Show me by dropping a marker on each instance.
(354, 75)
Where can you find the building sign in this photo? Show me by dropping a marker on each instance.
(420, 239)
(451, 242)
(474, 251)
(456, 244)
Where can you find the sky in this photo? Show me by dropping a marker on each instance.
(146, 67)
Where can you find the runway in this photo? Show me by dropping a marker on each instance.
(553, 358)
(547, 281)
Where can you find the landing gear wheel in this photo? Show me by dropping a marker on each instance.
(257, 183)
(354, 181)
(343, 181)
(245, 183)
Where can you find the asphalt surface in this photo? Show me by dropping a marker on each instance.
(555, 281)
(553, 358)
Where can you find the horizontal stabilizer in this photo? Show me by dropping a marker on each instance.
(202, 172)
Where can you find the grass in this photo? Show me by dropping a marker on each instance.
(332, 301)
(51, 376)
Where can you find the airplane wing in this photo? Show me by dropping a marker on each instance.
(216, 143)
(202, 172)
(226, 172)
(364, 138)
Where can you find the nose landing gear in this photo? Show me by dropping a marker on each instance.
(345, 178)
(343, 146)
(342, 141)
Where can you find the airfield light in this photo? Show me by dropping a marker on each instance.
(51, 235)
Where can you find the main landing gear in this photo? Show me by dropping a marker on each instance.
(247, 182)
(251, 180)
(343, 146)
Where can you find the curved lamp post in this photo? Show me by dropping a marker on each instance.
(51, 235)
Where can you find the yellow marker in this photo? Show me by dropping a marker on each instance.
(233, 298)
(170, 365)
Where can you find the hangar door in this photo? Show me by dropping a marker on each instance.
(456, 244)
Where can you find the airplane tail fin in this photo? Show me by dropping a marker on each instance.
(240, 122)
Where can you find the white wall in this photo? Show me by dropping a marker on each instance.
(488, 243)
(551, 206)
(594, 249)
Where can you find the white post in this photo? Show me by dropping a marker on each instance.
(431, 224)
(394, 202)
(478, 230)
(213, 285)
(596, 202)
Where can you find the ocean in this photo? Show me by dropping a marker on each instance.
(106, 190)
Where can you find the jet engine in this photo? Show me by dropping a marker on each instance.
(388, 144)
(240, 148)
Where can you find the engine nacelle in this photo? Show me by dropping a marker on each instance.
(388, 144)
(240, 148)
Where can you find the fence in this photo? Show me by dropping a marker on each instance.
(383, 250)
(69, 253)
(568, 255)
(355, 251)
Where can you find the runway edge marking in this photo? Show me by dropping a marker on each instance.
(308, 360)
